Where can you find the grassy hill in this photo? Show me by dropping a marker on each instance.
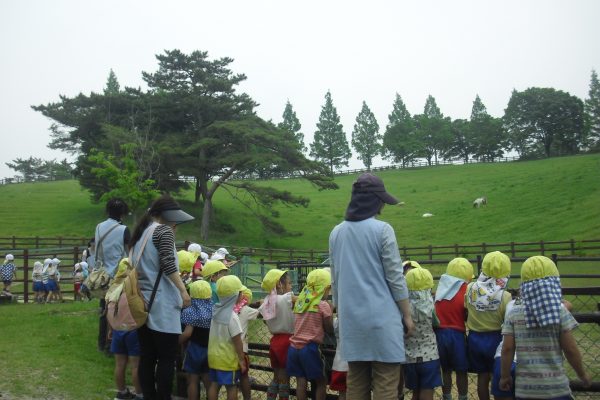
(553, 199)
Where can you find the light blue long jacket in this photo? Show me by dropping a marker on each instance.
(367, 281)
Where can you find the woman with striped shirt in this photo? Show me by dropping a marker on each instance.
(153, 243)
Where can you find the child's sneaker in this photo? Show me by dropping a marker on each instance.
(127, 395)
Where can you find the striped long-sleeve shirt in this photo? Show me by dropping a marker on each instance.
(164, 240)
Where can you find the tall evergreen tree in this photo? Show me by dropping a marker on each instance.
(486, 136)
(112, 84)
(399, 141)
(291, 124)
(330, 144)
(433, 131)
(592, 113)
(366, 139)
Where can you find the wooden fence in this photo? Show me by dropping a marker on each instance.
(571, 247)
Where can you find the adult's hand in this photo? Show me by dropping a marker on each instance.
(409, 326)
(586, 380)
(187, 300)
(505, 383)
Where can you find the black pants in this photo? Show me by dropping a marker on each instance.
(158, 354)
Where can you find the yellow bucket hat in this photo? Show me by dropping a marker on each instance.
(228, 286)
(460, 268)
(496, 265)
(212, 267)
(186, 260)
(419, 279)
(317, 282)
(538, 267)
(247, 293)
(200, 290)
(271, 278)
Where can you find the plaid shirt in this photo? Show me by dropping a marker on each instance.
(542, 299)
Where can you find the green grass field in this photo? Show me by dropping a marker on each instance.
(553, 199)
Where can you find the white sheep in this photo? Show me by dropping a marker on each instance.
(480, 201)
(427, 215)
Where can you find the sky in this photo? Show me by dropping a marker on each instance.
(297, 51)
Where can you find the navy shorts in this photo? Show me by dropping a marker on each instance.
(425, 375)
(125, 342)
(196, 359)
(7, 283)
(51, 286)
(306, 362)
(38, 287)
(226, 378)
(452, 347)
(482, 350)
(496, 380)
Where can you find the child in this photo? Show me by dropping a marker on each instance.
(486, 301)
(85, 272)
(498, 393)
(196, 327)
(77, 280)
(422, 368)
(196, 250)
(8, 273)
(212, 271)
(186, 263)
(246, 314)
(450, 335)
(38, 282)
(46, 278)
(51, 286)
(339, 369)
(226, 359)
(313, 317)
(56, 263)
(539, 329)
(279, 317)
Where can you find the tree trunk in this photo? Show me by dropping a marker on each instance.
(197, 191)
(206, 214)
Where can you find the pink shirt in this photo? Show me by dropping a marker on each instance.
(308, 326)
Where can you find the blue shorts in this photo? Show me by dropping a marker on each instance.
(306, 362)
(196, 359)
(226, 378)
(7, 283)
(38, 287)
(481, 348)
(425, 375)
(496, 380)
(125, 342)
(51, 286)
(452, 347)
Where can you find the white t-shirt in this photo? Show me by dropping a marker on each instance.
(221, 351)
(509, 307)
(246, 314)
(284, 319)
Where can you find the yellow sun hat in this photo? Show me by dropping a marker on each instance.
(496, 265)
(460, 268)
(247, 293)
(228, 286)
(212, 267)
(419, 279)
(319, 277)
(271, 278)
(200, 290)
(538, 267)
(186, 260)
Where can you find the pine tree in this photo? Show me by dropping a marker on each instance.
(291, 124)
(399, 142)
(485, 133)
(112, 84)
(366, 139)
(592, 113)
(478, 111)
(330, 144)
(433, 131)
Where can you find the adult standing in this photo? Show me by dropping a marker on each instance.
(153, 242)
(370, 293)
(111, 238)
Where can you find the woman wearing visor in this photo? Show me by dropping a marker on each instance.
(153, 243)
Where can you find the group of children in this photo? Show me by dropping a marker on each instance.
(477, 327)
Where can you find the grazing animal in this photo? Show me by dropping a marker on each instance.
(427, 215)
(479, 202)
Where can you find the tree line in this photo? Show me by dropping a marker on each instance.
(192, 121)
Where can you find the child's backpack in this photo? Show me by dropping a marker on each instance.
(98, 280)
(126, 307)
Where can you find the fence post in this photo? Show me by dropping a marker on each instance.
(14, 244)
(478, 264)
(512, 249)
(430, 252)
(37, 242)
(572, 247)
(555, 259)
(26, 276)
(75, 254)
(456, 249)
(484, 247)
(312, 255)
(542, 247)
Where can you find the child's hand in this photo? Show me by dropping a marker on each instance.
(505, 383)
(409, 326)
(586, 380)
(243, 365)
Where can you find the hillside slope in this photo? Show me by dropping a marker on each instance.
(552, 199)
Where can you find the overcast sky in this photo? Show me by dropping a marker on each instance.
(360, 50)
